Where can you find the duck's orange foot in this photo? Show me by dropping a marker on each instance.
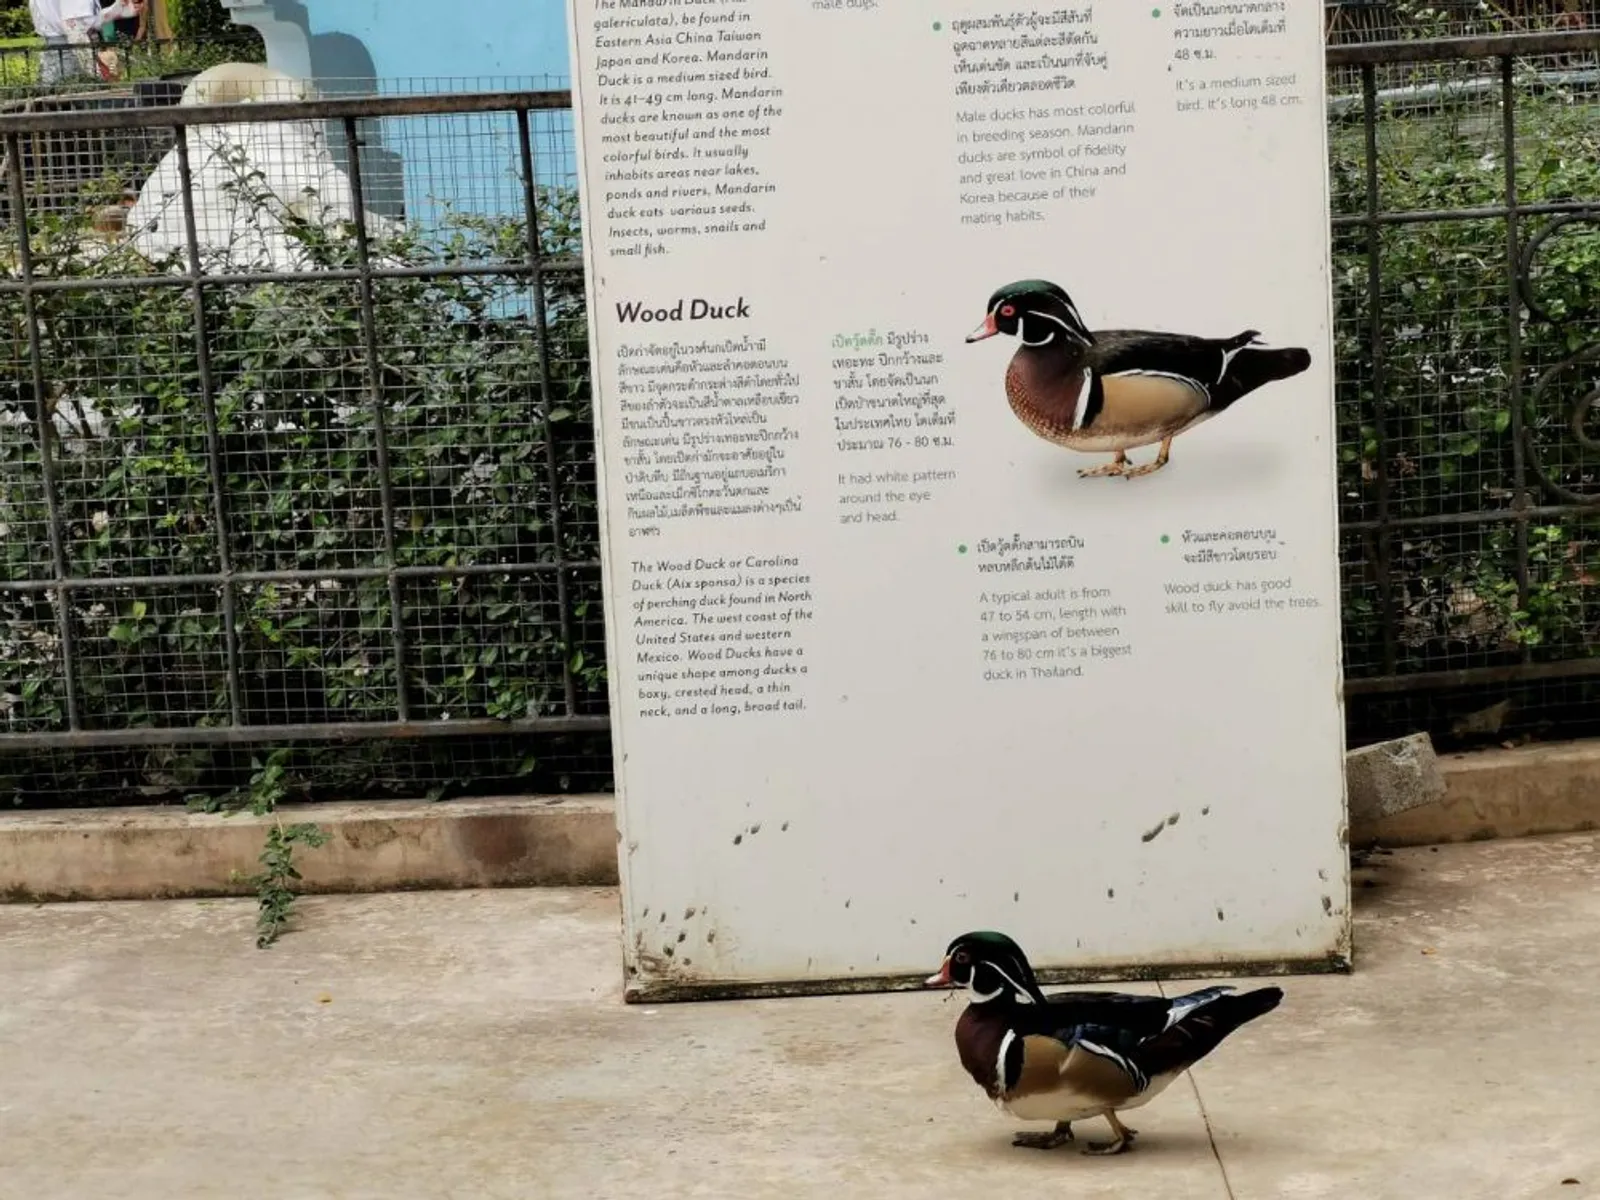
(1123, 1138)
(1120, 1146)
(1149, 468)
(1117, 466)
(1059, 1136)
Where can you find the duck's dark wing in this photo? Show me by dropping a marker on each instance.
(1196, 1032)
(1222, 369)
(1138, 1016)
(1116, 1041)
(1146, 1015)
(1204, 360)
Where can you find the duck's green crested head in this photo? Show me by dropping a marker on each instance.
(991, 967)
(988, 938)
(1037, 311)
(1027, 290)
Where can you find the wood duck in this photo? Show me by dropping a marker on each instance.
(1118, 389)
(1075, 1055)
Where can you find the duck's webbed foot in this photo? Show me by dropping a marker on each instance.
(1123, 1142)
(1059, 1136)
(1150, 468)
(1117, 466)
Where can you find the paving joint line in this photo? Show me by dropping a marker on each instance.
(1205, 1118)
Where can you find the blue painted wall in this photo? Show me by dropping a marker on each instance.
(468, 38)
(418, 165)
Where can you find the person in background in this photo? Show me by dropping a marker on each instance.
(67, 27)
(132, 28)
(116, 37)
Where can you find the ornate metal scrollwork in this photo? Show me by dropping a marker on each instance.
(1587, 407)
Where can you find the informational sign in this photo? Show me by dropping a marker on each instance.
(964, 388)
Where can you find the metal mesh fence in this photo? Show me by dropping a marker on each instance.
(34, 69)
(281, 484)
(313, 463)
(61, 164)
(1465, 193)
(1352, 22)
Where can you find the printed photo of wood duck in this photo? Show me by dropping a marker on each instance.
(1076, 1055)
(1115, 390)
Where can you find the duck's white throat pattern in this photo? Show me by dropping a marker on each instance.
(1019, 994)
(1070, 333)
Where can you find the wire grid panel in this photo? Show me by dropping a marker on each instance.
(334, 472)
(1469, 491)
(218, 775)
(496, 610)
(1356, 21)
(1363, 22)
(66, 169)
(24, 508)
(71, 168)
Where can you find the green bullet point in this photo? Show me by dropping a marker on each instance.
(1165, 539)
(937, 26)
(1155, 12)
(962, 549)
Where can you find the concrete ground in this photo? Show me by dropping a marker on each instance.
(472, 1044)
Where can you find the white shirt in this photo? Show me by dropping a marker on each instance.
(56, 18)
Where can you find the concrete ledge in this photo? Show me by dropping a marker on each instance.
(1500, 794)
(153, 853)
(159, 853)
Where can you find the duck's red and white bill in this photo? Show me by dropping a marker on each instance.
(987, 330)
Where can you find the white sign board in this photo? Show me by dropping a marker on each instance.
(937, 599)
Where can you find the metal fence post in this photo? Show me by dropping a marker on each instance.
(44, 423)
(530, 199)
(1375, 336)
(1519, 500)
(380, 427)
(208, 402)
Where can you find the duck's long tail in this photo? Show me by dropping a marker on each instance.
(1246, 366)
(1200, 1031)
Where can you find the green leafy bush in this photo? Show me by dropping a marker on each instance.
(19, 65)
(16, 23)
(298, 443)
(199, 19)
(1445, 309)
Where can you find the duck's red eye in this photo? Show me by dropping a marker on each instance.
(1008, 311)
(961, 957)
